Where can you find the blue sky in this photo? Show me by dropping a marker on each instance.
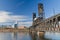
(21, 10)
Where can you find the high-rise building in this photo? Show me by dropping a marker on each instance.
(15, 25)
(40, 11)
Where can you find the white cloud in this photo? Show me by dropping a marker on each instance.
(18, 18)
(27, 23)
(3, 16)
(6, 17)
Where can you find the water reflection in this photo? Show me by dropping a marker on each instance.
(5, 36)
(28, 36)
(36, 37)
(21, 36)
(52, 35)
(14, 36)
(33, 36)
(47, 36)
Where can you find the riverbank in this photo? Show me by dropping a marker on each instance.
(13, 30)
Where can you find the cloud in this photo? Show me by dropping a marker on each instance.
(27, 23)
(6, 17)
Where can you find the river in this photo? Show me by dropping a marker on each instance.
(28, 36)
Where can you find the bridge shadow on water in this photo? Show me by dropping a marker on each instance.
(36, 37)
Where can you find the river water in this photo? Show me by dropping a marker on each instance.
(28, 36)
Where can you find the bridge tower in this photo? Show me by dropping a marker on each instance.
(34, 16)
(41, 11)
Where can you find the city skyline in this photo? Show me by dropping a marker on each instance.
(21, 10)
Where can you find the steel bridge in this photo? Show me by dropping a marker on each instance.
(49, 24)
(42, 24)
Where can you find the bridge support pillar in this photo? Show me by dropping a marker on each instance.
(40, 33)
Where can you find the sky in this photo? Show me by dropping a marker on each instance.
(12, 11)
